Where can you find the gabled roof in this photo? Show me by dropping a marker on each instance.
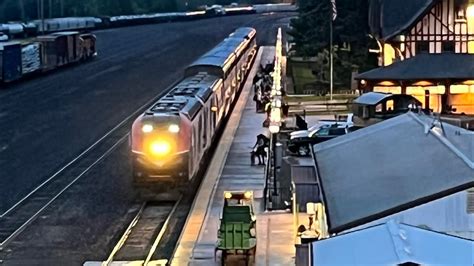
(392, 166)
(425, 67)
(449, 215)
(393, 244)
(388, 18)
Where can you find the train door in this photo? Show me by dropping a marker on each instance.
(227, 93)
(213, 116)
(204, 129)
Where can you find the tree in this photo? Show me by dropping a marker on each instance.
(310, 32)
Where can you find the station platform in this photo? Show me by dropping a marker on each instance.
(230, 169)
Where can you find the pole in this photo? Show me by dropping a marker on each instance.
(42, 16)
(38, 9)
(50, 6)
(331, 66)
(275, 193)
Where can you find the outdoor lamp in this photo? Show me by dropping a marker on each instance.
(275, 115)
(274, 128)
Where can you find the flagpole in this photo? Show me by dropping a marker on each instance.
(331, 66)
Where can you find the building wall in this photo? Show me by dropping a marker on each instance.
(447, 26)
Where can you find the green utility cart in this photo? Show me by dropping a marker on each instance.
(237, 231)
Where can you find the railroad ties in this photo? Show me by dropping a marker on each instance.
(141, 238)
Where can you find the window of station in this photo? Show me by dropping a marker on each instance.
(422, 47)
(448, 46)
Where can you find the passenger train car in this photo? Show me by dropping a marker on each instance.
(171, 138)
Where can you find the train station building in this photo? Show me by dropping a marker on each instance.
(426, 50)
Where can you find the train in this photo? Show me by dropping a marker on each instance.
(170, 139)
(44, 53)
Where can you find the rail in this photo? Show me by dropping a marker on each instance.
(137, 228)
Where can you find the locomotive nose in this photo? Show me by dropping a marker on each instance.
(160, 141)
(160, 148)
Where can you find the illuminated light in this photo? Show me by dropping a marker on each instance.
(459, 89)
(214, 108)
(173, 128)
(417, 90)
(389, 54)
(386, 83)
(275, 115)
(160, 148)
(227, 195)
(468, 82)
(248, 194)
(147, 128)
(470, 11)
(423, 83)
(393, 90)
(363, 82)
(276, 103)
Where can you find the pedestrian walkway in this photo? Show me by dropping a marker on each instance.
(230, 170)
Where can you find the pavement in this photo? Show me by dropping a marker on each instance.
(230, 170)
(49, 120)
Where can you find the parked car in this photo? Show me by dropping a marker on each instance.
(340, 120)
(301, 144)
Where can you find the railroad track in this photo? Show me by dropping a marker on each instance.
(19, 216)
(144, 234)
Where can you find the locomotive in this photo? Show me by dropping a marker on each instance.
(169, 140)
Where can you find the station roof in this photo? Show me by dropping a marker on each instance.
(371, 98)
(425, 67)
(392, 166)
(393, 244)
(389, 18)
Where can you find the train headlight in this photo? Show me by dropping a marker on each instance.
(160, 148)
(227, 195)
(173, 128)
(147, 128)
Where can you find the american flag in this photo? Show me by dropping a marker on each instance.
(334, 10)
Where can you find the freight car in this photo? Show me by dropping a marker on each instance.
(169, 141)
(44, 53)
(67, 24)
